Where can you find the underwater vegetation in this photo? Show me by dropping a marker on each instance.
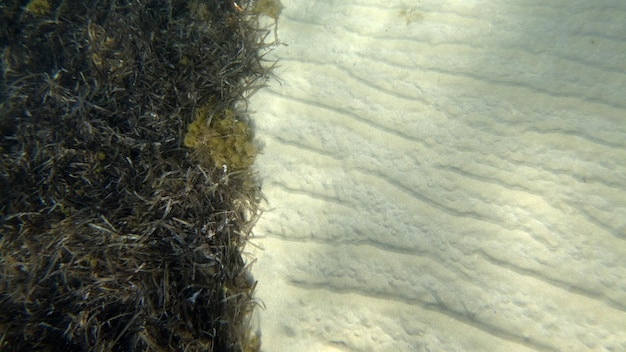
(38, 7)
(221, 140)
(269, 8)
(119, 228)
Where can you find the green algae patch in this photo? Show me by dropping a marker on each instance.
(269, 8)
(221, 140)
(38, 7)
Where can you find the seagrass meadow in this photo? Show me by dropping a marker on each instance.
(127, 194)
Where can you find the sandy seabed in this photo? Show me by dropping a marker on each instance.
(444, 176)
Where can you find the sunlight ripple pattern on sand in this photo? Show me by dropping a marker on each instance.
(444, 176)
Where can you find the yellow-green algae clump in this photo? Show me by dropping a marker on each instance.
(269, 8)
(38, 7)
(220, 139)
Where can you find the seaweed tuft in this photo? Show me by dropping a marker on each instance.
(38, 7)
(221, 140)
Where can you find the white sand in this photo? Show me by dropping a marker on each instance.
(444, 176)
